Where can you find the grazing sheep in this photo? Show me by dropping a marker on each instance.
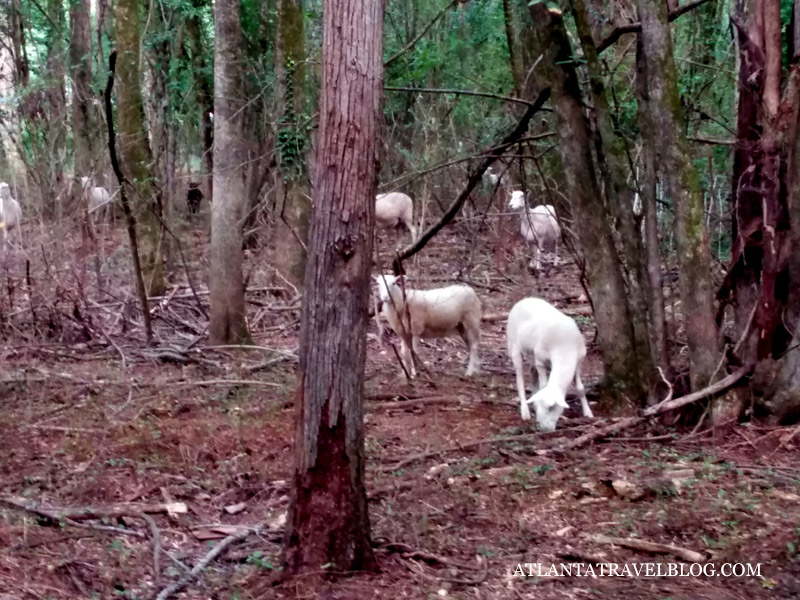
(440, 312)
(538, 328)
(395, 209)
(538, 226)
(193, 197)
(10, 213)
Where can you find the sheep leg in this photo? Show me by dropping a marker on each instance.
(472, 339)
(587, 412)
(516, 358)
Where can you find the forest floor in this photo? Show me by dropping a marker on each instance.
(461, 490)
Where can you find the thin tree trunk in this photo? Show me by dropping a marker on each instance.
(512, 38)
(294, 202)
(137, 157)
(603, 268)
(205, 94)
(674, 157)
(80, 57)
(328, 520)
(226, 285)
(659, 339)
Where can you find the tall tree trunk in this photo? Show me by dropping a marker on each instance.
(134, 145)
(612, 156)
(647, 189)
(293, 202)
(783, 397)
(80, 58)
(603, 268)
(328, 519)
(228, 323)
(674, 156)
(203, 74)
(512, 38)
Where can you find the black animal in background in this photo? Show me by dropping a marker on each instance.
(193, 197)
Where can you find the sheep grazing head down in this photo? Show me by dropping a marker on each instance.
(517, 200)
(549, 404)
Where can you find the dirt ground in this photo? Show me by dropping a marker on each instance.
(90, 417)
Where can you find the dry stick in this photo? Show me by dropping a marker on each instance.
(602, 432)
(129, 217)
(79, 514)
(683, 553)
(213, 554)
(621, 30)
(472, 182)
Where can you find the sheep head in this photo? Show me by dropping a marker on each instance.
(5, 191)
(385, 283)
(549, 404)
(517, 200)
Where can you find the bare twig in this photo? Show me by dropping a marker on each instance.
(206, 560)
(474, 178)
(621, 30)
(419, 36)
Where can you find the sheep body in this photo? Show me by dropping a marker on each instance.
(538, 226)
(538, 328)
(10, 213)
(441, 312)
(97, 198)
(395, 209)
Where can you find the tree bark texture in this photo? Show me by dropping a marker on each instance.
(612, 158)
(134, 146)
(603, 267)
(294, 202)
(228, 323)
(674, 157)
(659, 337)
(328, 519)
(80, 58)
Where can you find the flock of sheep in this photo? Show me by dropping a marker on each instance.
(534, 328)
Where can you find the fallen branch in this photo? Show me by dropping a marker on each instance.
(597, 434)
(682, 553)
(81, 514)
(474, 179)
(710, 390)
(207, 559)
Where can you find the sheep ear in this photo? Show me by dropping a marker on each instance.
(562, 402)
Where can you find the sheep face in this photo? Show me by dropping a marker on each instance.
(517, 200)
(5, 191)
(549, 404)
(385, 285)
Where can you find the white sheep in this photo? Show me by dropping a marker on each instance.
(98, 200)
(538, 328)
(538, 226)
(441, 312)
(10, 213)
(395, 209)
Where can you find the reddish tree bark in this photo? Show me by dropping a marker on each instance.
(328, 521)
